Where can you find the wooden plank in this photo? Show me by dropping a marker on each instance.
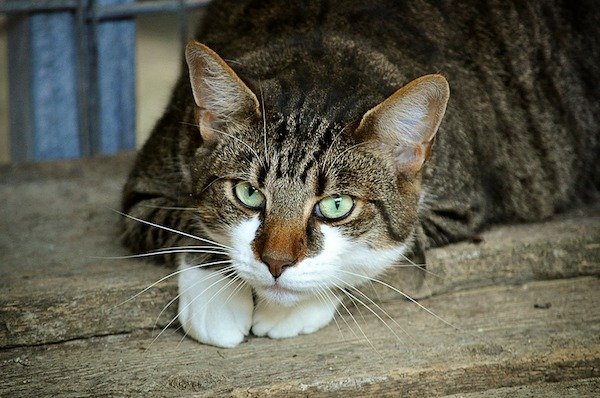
(565, 247)
(57, 216)
(586, 388)
(504, 341)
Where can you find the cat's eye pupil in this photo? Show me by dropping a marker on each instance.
(338, 202)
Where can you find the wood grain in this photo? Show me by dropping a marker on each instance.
(525, 299)
(503, 341)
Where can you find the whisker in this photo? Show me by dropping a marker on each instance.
(319, 296)
(167, 207)
(159, 253)
(220, 271)
(338, 135)
(169, 276)
(324, 297)
(353, 302)
(375, 292)
(205, 304)
(241, 176)
(422, 267)
(419, 267)
(339, 300)
(173, 230)
(214, 181)
(404, 295)
(355, 322)
(343, 153)
(259, 300)
(233, 137)
(382, 310)
(264, 120)
(186, 306)
(188, 247)
(236, 290)
(353, 297)
(327, 289)
(376, 306)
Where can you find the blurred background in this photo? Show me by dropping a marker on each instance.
(4, 139)
(157, 65)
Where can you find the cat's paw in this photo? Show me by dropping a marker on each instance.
(280, 322)
(212, 310)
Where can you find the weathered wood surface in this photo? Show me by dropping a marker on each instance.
(505, 340)
(62, 333)
(586, 388)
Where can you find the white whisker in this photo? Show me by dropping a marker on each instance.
(188, 247)
(233, 137)
(160, 253)
(376, 306)
(167, 207)
(220, 271)
(353, 297)
(264, 120)
(173, 230)
(355, 322)
(333, 142)
(169, 276)
(343, 153)
(205, 304)
(404, 295)
(325, 297)
(422, 267)
(214, 181)
(236, 289)
(187, 305)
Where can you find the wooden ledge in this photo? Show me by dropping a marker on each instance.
(525, 299)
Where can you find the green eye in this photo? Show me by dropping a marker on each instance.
(249, 195)
(334, 207)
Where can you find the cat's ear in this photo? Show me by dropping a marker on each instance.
(219, 93)
(407, 121)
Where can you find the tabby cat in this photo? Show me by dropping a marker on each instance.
(296, 157)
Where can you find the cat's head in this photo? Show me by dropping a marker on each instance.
(308, 204)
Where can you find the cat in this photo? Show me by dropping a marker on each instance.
(305, 150)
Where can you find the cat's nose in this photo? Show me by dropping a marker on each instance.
(277, 265)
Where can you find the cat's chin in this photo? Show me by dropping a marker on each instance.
(279, 295)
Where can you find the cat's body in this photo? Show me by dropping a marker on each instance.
(519, 142)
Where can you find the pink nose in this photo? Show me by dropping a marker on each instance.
(277, 265)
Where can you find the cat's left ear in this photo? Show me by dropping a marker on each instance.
(220, 95)
(407, 121)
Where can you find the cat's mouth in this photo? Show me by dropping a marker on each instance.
(280, 294)
(276, 287)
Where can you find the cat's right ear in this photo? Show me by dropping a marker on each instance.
(219, 93)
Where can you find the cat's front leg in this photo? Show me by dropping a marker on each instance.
(279, 322)
(213, 308)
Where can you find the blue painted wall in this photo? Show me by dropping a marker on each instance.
(47, 118)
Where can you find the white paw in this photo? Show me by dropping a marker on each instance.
(213, 309)
(280, 322)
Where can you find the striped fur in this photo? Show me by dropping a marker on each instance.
(519, 142)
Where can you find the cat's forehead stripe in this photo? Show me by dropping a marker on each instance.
(299, 161)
